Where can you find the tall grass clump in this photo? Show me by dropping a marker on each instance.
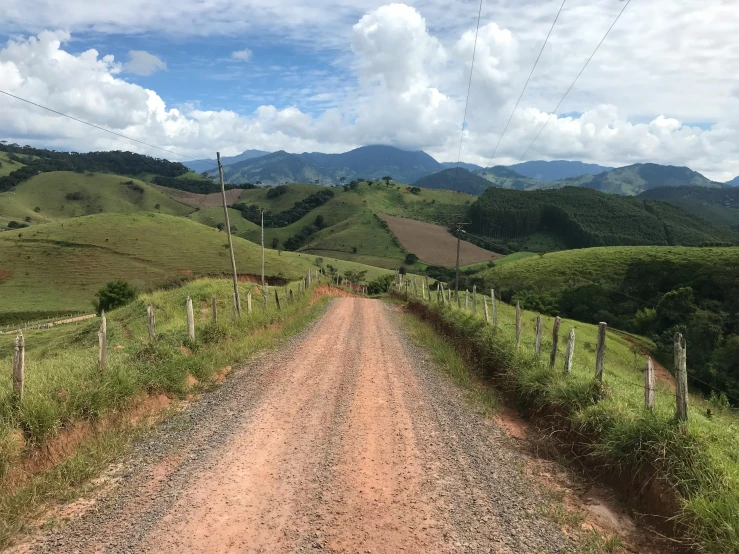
(686, 474)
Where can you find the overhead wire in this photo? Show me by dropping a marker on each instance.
(536, 62)
(569, 89)
(469, 87)
(106, 130)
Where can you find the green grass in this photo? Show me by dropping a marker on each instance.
(349, 218)
(698, 461)
(64, 386)
(606, 266)
(516, 256)
(8, 166)
(59, 266)
(100, 192)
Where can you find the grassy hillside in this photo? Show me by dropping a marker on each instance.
(655, 291)
(580, 218)
(455, 179)
(59, 266)
(65, 194)
(349, 220)
(8, 165)
(717, 205)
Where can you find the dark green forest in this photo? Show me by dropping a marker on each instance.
(300, 209)
(122, 163)
(197, 186)
(581, 218)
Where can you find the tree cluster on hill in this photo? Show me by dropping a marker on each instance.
(585, 218)
(282, 219)
(39, 161)
(655, 298)
(196, 186)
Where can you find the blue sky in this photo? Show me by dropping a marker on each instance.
(332, 75)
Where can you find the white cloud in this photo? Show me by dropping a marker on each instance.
(665, 64)
(243, 55)
(142, 63)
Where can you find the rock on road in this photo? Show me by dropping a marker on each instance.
(347, 440)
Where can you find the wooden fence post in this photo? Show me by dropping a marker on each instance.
(681, 377)
(485, 307)
(518, 323)
(537, 341)
(152, 321)
(474, 299)
(19, 368)
(277, 299)
(103, 342)
(570, 352)
(600, 350)
(555, 341)
(190, 319)
(426, 279)
(235, 306)
(494, 307)
(449, 296)
(248, 303)
(649, 385)
(291, 296)
(265, 292)
(466, 299)
(415, 287)
(214, 308)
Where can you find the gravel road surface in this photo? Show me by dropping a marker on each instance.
(347, 440)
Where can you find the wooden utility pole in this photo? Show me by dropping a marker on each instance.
(190, 319)
(456, 278)
(237, 301)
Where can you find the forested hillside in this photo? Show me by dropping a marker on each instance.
(717, 205)
(580, 218)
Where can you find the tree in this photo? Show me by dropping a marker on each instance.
(410, 258)
(320, 222)
(387, 179)
(275, 243)
(342, 180)
(380, 285)
(318, 262)
(114, 295)
(316, 182)
(355, 277)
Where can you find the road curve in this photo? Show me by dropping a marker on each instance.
(347, 440)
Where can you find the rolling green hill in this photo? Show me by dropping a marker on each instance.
(655, 291)
(58, 267)
(717, 205)
(455, 179)
(348, 222)
(574, 217)
(7, 165)
(56, 195)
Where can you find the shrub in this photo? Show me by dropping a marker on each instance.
(16, 225)
(114, 295)
(411, 258)
(74, 196)
(380, 285)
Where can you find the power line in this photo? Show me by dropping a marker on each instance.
(569, 89)
(469, 87)
(104, 129)
(527, 83)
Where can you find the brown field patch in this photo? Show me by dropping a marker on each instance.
(4, 274)
(201, 200)
(433, 244)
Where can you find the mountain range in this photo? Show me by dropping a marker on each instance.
(419, 168)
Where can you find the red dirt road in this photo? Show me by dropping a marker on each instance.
(346, 441)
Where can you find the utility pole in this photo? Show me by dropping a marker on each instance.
(262, 247)
(458, 225)
(230, 241)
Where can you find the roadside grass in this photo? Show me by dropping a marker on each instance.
(58, 267)
(65, 388)
(446, 357)
(697, 465)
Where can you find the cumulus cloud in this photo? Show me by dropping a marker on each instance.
(409, 91)
(243, 55)
(142, 63)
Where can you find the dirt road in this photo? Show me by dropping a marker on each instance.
(345, 441)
